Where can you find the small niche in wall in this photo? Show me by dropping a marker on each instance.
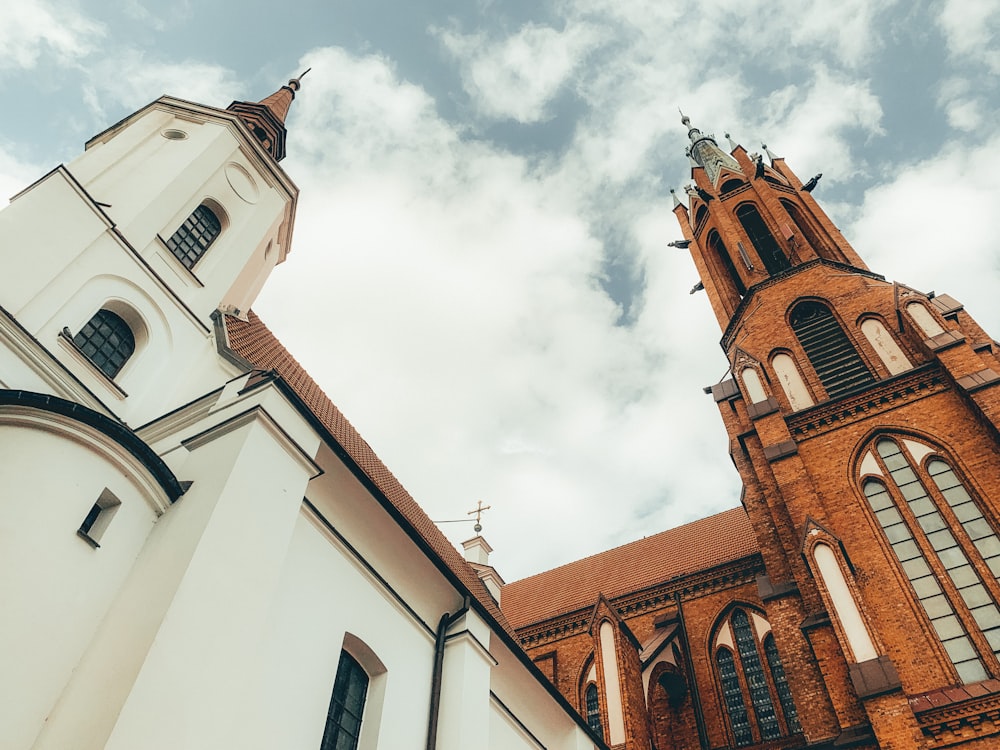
(98, 518)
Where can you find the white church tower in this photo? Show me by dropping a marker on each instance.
(197, 550)
(118, 261)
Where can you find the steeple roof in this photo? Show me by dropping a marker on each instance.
(705, 152)
(266, 118)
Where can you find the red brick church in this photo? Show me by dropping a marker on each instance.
(852, 601)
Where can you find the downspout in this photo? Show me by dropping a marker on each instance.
(699, 716)
(446, 622)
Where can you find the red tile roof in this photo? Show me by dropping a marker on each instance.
(632, 567)
(253, 341)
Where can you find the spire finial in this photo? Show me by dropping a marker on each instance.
(296, 83)
(478, 513)
(685, 120)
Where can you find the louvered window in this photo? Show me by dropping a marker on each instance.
(774, 260)
(343, 720)
(193, 237)
(594, 710)
(921, 525)
(837, 363)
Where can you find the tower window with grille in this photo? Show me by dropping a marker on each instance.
(194, 236)
(837, 363)
(343, 720)
(771, 255)
(719, 248)
(932, 523)
(594, 710)
(752, 669)
(107, 341)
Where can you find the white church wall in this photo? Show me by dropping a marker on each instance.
(324, 593)
(52, 473)
(186, 626)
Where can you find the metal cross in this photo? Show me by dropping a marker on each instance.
(478, 513)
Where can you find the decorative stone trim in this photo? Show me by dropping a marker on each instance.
(944, 341)
(978, 380)
(770, 590)
(725, 390)
(762, 408)
(874, 677)
(909, 386)
(958, 714)
(781, 450)
(655, 598)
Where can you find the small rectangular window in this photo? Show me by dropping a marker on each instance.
(98, 518)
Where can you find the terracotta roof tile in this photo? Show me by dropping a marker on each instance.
(683, 550)
(253, 341)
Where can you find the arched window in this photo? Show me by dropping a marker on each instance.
(749, 666)
(885, 346)
(347, 704)
(774, 260)
(805, 227)
(832, 355)
(730, 185)
(193, 237)
(107, 341)
(927, 514)
(719, 248)
(594, 710)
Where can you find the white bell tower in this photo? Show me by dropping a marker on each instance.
(175, 212)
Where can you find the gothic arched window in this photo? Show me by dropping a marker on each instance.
(107, 341)
(719, 248)
(774, 260)
(347, 704)
(945, 546)
(593, 709)
(193, 237)
(832, 355)
(749, 667)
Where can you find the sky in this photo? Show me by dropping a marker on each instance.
(480, 276)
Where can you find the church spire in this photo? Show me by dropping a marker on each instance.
(705, 152)
(266, 118)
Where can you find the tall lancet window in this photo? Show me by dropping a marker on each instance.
(749, 668)
(771, 255)
(945, 546)
(719, 248)
(594, 709)
(837, 363)
(193, 237)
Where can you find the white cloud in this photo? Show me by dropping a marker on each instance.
(932, 226)
(517, 77)
(15, 174)
(33, 29)
(971, 28)
(464, 330)
(129, 78)
(817, 123)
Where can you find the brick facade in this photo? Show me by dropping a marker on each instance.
(862, 418)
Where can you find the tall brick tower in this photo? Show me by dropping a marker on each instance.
(862, 417)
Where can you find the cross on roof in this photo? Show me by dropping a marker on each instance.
(478, 513)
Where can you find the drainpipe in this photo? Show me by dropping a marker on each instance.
(699, 717)
(446, 622)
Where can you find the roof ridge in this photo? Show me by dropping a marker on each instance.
(647, 538)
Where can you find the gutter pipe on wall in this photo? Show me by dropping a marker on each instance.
(447, 620)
